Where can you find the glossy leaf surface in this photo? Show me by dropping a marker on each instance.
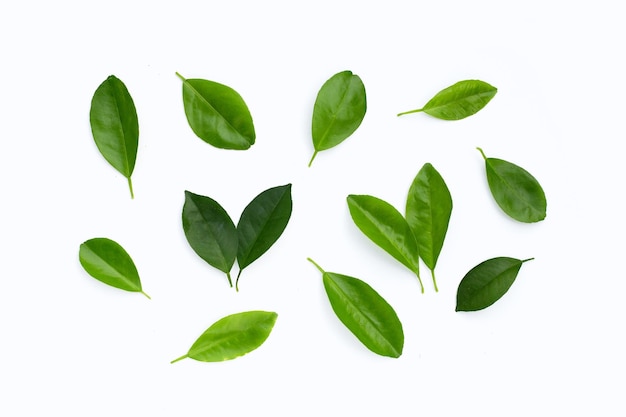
(339, 109)
(232, 336)
(108, 262)
(262, 222)
(365, 313)
(515, 190)
(458, 101)
(428, 211)
(217, 114)
(114, 126)
(210, 231)
(386, 227)
(486, 283)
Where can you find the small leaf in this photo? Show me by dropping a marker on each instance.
(486, 283)
(210, 232)
(385, 226)
(365, 313)
(515, 190)
(458, 101)
(428, 211)
(217, 114)
(232, 336)
(107, 261)
(115, 127)
(261, 224)
(339, 109)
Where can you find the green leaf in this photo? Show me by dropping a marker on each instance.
(210, 232)
(515, 190)
(107, 261)
(232, 336)
(261, 224)
(115, 127)
(428, 211)
(385, 226)
(458, 101)
(486, 283)
(339, 110)
(364, 312)
(217, 114)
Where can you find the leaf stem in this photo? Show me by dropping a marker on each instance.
(130, 186)
(181, 358)
(526, 260)
(230, 281)
(312, 158)
(180, 76)
(316, 265)
(409, 112)
(237, 281)
(481, 151)
(149, 298)
(432, 272)
(420, 281)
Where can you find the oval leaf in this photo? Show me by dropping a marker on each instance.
(458, 101)
(217, 114)
(108, 262)
(262, 222)
(428, 211)
(339, 109)
(486, 283)
(114, 126)
(515, 190)
(210, 231)
(365, 313)
(232, 336)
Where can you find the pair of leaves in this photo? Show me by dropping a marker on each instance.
(364, 312)
(214, 237)
(115, 127)
(232, 336)
(217, 114)
(458, 101)
(487, 282)
(515, 190)
(108, 262)
(339, 109)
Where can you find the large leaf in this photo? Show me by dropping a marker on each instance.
(338, 111)
(232, 336)
(365, 313)
(515, 190)
(428, 211)
(210, 231)
(385, 226)
(261, 223)
(458, 101)
(108, 262)
(486, 283)
(115, 127)
(217, 114)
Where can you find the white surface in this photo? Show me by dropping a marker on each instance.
(552, 346)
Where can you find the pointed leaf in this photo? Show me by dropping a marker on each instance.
(515, 190)
(114, 126)
(108, 262)
(210, 231)
(232, 336)
(428, 211)
(339, 110)
(217, 114)
(458, 101)
(486, 283)
(262, 222)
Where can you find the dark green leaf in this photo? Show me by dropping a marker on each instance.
(386, 227)
(210, 231)
(115, 127)
(262, 222)
(339, 110)
(459, 100)
(428, 210)
(515, 190)
(486, 283)
(217, 114)
(107, 261)
(232, 336)
(365, 313)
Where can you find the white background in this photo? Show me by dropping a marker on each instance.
(553, 345)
